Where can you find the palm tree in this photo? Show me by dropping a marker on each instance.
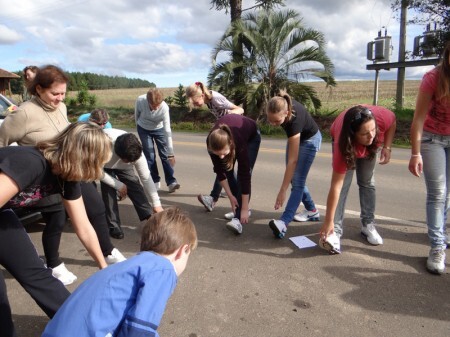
(277, 52)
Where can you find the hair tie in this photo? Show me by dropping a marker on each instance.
(197, 84)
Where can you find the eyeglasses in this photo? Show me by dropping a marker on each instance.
(102, 124)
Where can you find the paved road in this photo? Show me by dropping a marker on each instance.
(254, 285)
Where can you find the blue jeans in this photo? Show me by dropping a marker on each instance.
(148, 139)
(299, 192)
(435, 151)
(233, 181)
(365, 169)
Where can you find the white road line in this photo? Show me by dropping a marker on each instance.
(381, 217)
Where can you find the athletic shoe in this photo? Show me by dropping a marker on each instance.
(63, 274)
(207, 201)
(447, 240)
(436, 261)
(307, 216)
(371, 234)
(173, 187)
(230, 215)
(116, 233)
(332, 244)
(115, 257)
(223, 195)
(278, 228)
(235, 226)
(158, 185)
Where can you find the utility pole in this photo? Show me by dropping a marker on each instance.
(402, 56)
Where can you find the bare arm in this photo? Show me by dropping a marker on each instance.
(422, 103)
(293, 145)
(9, 188)
(84, 230)
(236, 110)
(385, 156)
(337, 180)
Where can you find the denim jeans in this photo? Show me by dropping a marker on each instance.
(148, 139)
(365, 169)
(435, 150)
(233, 180)
(299, 192)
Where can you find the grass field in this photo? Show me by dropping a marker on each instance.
(345, 94)
(120, 104)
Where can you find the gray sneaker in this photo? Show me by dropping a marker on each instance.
(235, 226)
(173, 187)
(207, 201)
(370, 233)
(436, 261)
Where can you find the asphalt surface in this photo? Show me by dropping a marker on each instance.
(255, 285)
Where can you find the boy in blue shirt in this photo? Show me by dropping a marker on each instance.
(129, 298)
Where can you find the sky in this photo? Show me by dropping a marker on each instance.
(169, 42)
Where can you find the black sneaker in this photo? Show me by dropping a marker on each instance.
(116, 233)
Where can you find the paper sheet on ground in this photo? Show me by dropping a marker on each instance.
(302, 242)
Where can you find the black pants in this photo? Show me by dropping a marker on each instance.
(55, 220)
(135, 192)
(19, 257)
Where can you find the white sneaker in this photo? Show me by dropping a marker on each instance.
(436, 261)
(278, 228)
(230, 215)
(158, 185)
(63, 274)
(370, 233)
(173, 187)
(115, 257)
(207, 201)
(332, 244)
(235, 226)
(307, 216)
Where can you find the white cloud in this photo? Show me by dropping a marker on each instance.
(171, 40)
(9, 36)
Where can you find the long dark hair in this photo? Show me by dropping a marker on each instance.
(443, 86)
(353, 119)
(218, 139)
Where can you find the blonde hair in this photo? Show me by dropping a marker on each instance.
(167, 231)
(280, 103)
(197, 89)
(79, 152)
(155, 96)
(218, 139)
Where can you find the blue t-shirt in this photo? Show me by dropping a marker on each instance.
(125, 299)
(85, 118)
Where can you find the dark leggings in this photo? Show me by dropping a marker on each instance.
(19, 257)
(56, 219)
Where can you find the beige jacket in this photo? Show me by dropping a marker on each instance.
(33, 122)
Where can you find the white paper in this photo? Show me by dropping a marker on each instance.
(302, 242)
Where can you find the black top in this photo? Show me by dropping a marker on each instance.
(243, 129)
(32, 173)
(300, 122)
